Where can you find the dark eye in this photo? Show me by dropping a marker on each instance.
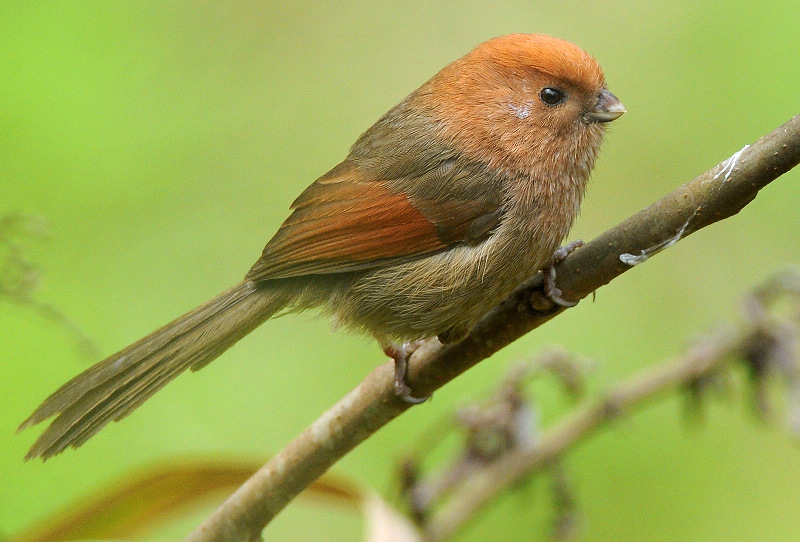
(552, 95)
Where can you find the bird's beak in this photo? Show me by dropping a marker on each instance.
(607, 108)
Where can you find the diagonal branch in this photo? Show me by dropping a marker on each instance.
(715, 195)
(766, 344)
(621, 400)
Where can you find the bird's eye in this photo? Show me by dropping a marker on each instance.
(552, 96)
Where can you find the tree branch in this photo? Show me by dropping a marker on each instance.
(717, 194)
(766, 343)
(485, 485)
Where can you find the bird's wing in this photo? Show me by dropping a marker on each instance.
(347, 221)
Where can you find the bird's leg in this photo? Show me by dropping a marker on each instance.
(550, 288)
(400, 356)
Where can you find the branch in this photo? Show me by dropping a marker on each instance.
(717, 194)
(621, 400)
(766, 343)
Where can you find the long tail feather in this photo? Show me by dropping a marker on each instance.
(116, 386)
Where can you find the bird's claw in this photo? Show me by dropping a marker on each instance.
(403, 391)
(400, 357)
(550, 289)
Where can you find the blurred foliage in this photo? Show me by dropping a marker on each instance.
(139, 502)
(20, 277)
(164, 141)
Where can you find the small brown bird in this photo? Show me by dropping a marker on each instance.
(455, 196)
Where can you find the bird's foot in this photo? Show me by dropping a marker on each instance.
(400, 356)
(550, 288)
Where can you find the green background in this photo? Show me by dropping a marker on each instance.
(163, 142)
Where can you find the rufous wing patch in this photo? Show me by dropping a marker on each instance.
(346, 226)
(345, 223)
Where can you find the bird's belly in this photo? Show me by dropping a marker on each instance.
(439, 293)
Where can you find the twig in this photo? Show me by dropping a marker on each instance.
(20, 278)
(766, 343)
(717, 194)
(481, 488)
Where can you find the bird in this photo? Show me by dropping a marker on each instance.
(452, 198)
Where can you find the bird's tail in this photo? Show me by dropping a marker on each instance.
(116, 386)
